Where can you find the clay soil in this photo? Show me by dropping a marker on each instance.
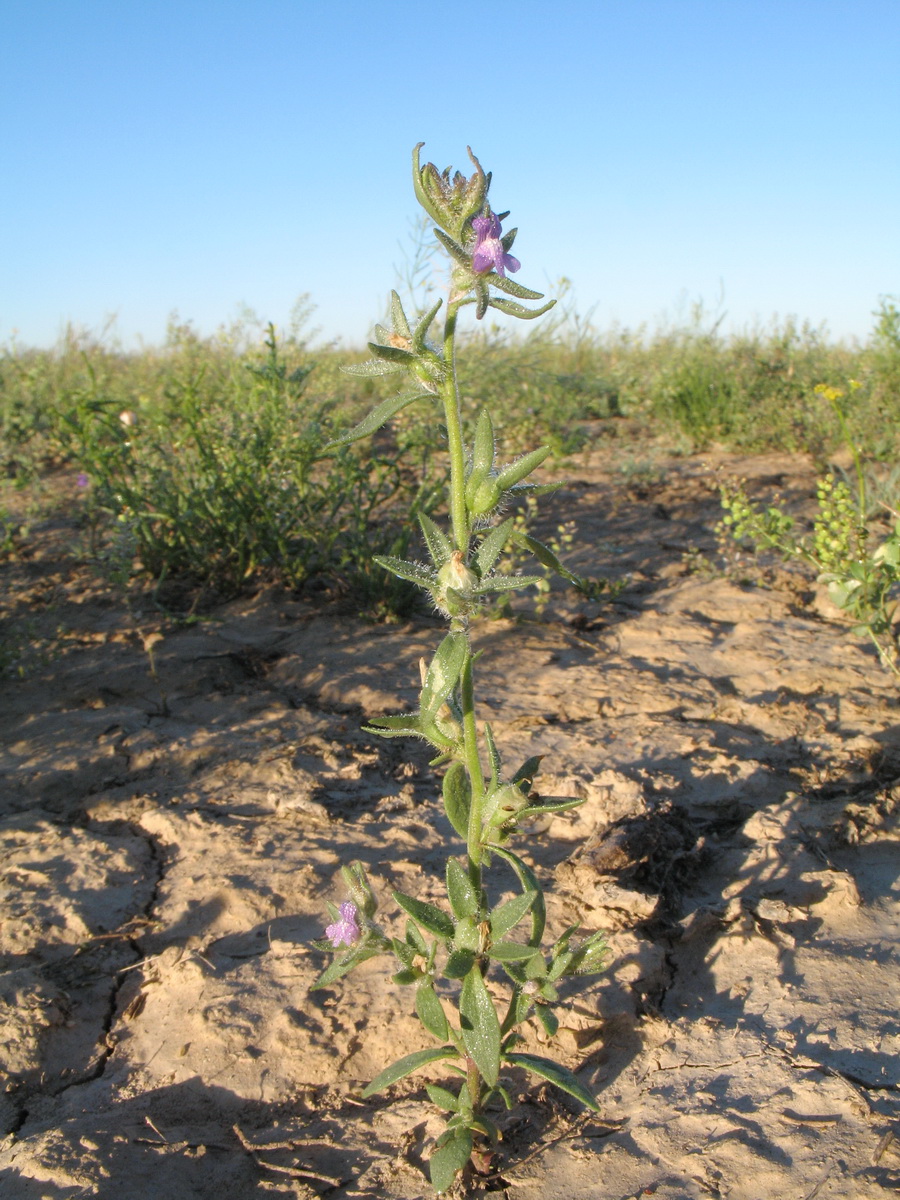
(177, 799)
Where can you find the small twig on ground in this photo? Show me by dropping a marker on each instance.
(294, 1172)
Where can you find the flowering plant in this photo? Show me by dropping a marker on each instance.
(461, 947)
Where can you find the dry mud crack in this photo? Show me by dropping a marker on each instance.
(168, 844)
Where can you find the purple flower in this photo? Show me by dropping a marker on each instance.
(346, 930)
(83, 480)
(489, 253)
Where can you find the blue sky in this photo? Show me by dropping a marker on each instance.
(194, 157)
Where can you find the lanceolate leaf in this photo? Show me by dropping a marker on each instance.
(528, 770)
(504, 583)
(439, 545)
(505, 284)
(404, 569)
(428, 915)
(443, 673)
(490, 549)
(506, 916)
(493, 756)
(373, 366)
(399, 726)
(561, 1076)
(529, 883)
(512, 952)
(423, 326)
(522, 466)
(405, 1066)
(377, 417)
(540, 810)
(463, 898)
(398, 316)
(392, 354)
(458, 798)
(480, 1026)
(453, 249)
(431, 1012)
(483, 448)
(519, 310)
(545, 556)
(449, 1159)
(343, 964)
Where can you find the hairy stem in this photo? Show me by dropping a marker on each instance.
(453, 418)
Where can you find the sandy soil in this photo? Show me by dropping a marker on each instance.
(170, 837)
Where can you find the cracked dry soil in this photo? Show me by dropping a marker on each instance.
(169, 841)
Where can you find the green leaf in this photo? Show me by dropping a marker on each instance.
(463, 898)
(545, 556)
(528, 770)
(392, 354)
(377, 417)
(398, 726)
(413, 571)
(466, 936)
(415, 939)
(559, 1075)
(421, 195)
(454, 249)
(398, 316)
(422, 328)
(406, 977)
(442, 1098)
(519, 310)
(405, 952)
(480, 1026)
(343, 964)
(459, 964)
(538, 810)
(449, 1159)
(439, 545)
(427, 915)
(457, 792)
(444, 672)
(511, 952)
(493, 756)
(504, 583)
(431, 1012)
(547, 1018)
(505, 284)
(521, 467)
(483, 448)
(507, 915)
(490, 549)
(371, 367)
(529, 882)
(405, 1066)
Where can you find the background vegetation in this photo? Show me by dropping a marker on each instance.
(203, 459)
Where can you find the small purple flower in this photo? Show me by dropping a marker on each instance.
(489, 253)
(345, 931)
(83, 480)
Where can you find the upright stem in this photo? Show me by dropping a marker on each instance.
(453, 418)
(461, 533)
(476, 777)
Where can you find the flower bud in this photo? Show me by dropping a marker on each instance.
(359, 888)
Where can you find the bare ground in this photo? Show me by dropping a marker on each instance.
(170, 837)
